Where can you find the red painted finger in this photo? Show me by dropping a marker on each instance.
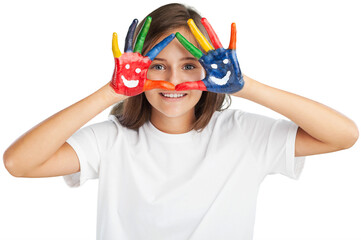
(198, 85)
(212, 34)
(232, 42)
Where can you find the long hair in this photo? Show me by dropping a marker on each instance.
(134, 111)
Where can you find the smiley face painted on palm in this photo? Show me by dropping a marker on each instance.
(223, 71)
(223, 74)
(130, 72)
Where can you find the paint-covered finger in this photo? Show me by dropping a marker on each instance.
(115, 47)
(232, 42)
(189, 46)
(199, 36)
(141, 36)
(212, 34)
(130, 35)
(159, 47)
(197, 85)
(151, 84)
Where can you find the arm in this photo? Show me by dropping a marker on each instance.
(43, 151)
(321, 129)
(43, 141)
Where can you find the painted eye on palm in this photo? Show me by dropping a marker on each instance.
(223, 72)
(130, 72)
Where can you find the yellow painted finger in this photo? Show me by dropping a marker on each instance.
(115, 47)
(199, 36)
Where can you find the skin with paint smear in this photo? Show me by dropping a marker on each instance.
(130, 72)
(223, 74)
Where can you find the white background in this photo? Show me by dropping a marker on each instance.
(54, 53)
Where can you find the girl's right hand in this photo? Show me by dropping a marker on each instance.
(130, 72)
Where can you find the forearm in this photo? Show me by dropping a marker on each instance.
(38, 144)
(318, 120)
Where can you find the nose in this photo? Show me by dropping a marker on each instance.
(174, 77)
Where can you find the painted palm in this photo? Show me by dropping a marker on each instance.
(223, 74)
(130, 72)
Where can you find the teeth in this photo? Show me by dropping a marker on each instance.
(172, 95)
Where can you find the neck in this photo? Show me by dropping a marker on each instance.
(172, 125)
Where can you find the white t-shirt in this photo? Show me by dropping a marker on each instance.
(191, 186)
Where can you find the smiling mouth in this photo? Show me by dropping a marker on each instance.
(221, 81)
(130, 83)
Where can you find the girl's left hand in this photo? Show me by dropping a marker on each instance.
(223, 74)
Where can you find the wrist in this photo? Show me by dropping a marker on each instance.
(247, 87)
(109, 94)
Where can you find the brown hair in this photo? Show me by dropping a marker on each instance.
(134, 111)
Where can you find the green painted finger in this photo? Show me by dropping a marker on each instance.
(141, 36)
(189, 46)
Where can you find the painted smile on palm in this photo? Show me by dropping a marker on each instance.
(221, 72)
(133, 67)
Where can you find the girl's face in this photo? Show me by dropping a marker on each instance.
(175, 65)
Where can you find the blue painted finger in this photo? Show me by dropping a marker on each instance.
(159, 47)
(130, 35)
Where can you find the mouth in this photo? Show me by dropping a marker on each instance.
(173, 96)
(221, 81)
(130, 83)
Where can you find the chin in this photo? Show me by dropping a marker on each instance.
(173, 112)
(171, 108)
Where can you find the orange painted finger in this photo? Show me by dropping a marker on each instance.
(150, 84)
(232, 42)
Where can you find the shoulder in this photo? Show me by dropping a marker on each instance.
(245, 118)
(227, 114)
(112, 124)
(226, 120)
(108, 129)
(239, 117)
(251, 123)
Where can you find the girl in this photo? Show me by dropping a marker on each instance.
(172, 161)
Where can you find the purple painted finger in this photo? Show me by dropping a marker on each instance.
(130, 35)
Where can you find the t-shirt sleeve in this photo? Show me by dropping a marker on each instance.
(280, 156)
(274, 141)
(90, 144)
